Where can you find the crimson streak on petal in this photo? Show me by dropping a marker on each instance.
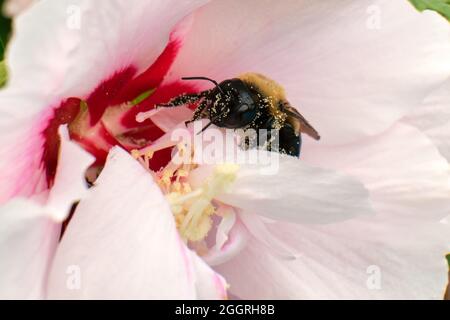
(64, 114)
(154, 75)
(106, 93)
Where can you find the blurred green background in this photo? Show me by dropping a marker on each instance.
(5, 30)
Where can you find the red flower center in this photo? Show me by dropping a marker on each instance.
(107, 117)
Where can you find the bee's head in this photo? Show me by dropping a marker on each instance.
(232, 104)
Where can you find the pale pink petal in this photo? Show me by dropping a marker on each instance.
(257, 228)
(166, 119)
(65, 28)
(404, 172)
(208, 284)
(405, 240)
(288, 189)
(434, 119)
(30, 229)
(347, 261)
(70, 182)
(228, 220)
(403, 245)
(28, 238)
(237, 240)
(351, 67)
(21, 145)
(122, 243)
(85, 44)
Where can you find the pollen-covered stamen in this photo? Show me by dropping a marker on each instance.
(193, 208)
(196, 216)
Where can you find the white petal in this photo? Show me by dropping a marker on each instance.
(237, 240)
(122, 243)
(70, 183)
(259, 231)
(21, 141)
(28, 238)
(167, 119)
(12, 8)
(293, 191)
(434, 119)
(30, 231)
(347, 261)
(226, 224)
(208, 284)
(80, 34)
(348, 75)
(406, 176)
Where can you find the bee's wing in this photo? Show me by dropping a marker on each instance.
(299, 122)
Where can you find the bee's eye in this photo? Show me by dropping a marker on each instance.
(246, 114)
(243, 108)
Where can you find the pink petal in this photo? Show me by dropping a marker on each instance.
(408, 183)
(12, 8)
(21, 170)
(70, 182)
(30, 229)
(87, 56)
(260, 232)
(345, 261)
(347, 76)
(162, 95)
(123, 241)
(167, 119)
(434, 119)
(236, 241)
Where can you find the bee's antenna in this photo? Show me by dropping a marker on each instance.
(204, 78)
(205, 127)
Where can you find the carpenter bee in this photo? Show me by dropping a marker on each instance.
(250, 101)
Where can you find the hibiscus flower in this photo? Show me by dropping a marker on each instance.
(360, 215)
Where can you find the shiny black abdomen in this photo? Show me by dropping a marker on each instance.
(290, 142)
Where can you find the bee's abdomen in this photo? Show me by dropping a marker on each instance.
(286, 140)
(289, 142)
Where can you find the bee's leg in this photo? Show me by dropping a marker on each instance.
(198, 113)
(184, 99)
